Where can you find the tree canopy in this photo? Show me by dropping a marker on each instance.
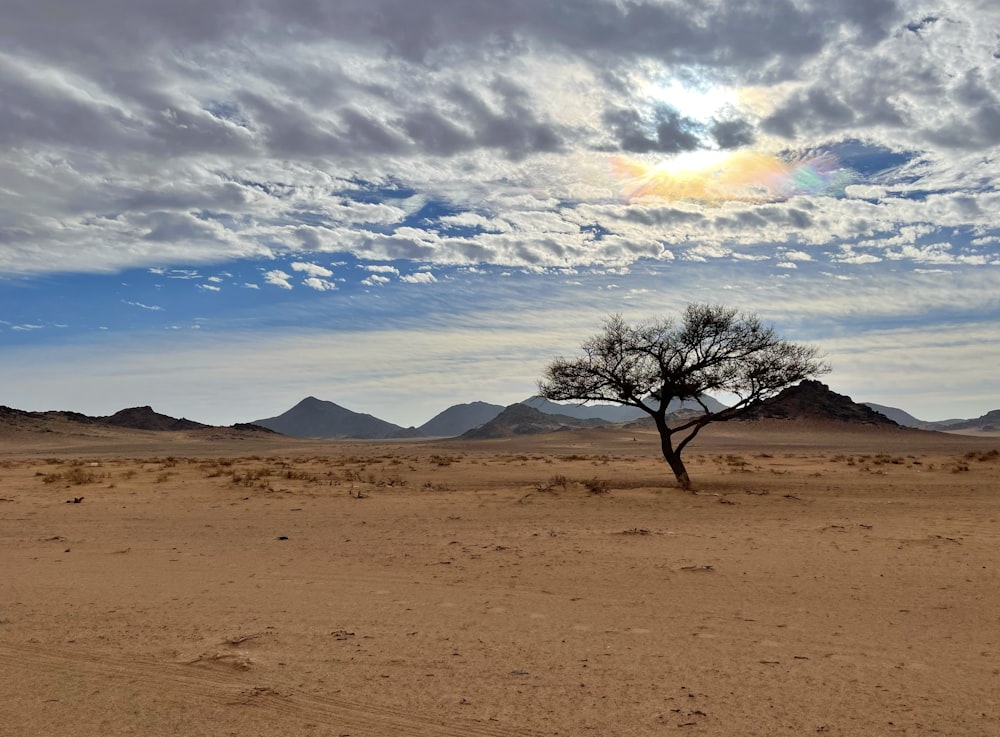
(709, 349)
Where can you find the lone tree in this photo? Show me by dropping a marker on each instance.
(711, 348)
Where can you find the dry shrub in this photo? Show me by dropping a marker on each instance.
(75, 476)
(252, 477)
(555, 482)
(597, 486)
(982, 455)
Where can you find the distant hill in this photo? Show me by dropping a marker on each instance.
(520, 419)
(606, 412)
(896, 415)
(990, 422)
(316, 418)
(460, 418)
(144, 418)
(132, 418)
(814, 400)
(614, 412)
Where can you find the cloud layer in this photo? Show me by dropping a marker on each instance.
(145, 135)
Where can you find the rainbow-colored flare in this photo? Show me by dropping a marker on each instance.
(738, 177)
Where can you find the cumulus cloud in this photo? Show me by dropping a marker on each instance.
(320, 285)
(314, 270)
(278, 278)
(420, 277)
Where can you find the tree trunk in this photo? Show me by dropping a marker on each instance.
(680, 472)
(672, 457)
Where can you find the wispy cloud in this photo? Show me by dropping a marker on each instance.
(140, 305)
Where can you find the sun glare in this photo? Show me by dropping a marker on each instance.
(710, 175)
(743, 176)
(700, 103)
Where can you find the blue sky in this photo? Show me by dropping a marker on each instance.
(219, 210)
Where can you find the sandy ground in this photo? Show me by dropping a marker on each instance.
(819, 583)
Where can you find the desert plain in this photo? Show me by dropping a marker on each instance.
(823, 579)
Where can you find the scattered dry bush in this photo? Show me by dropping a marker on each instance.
(252, 477)
(982, 455)
(74, 476)
(597, 486)
(554, 483)
(737, 463)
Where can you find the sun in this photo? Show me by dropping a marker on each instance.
(699, 102)
(712, 175)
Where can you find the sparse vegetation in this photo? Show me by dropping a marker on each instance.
(597, 486)
(73, 476)
(555, 483)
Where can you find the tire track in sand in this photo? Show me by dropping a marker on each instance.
(242, 690)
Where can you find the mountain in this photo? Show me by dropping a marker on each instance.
(896, 415)
(520, 419)
(990, 422)
(315, 418)
(614, 412)
(813, 400)
(460, 418)
(144, 418)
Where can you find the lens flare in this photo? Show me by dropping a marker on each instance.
(716, 177)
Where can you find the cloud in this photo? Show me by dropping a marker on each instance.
(420, 277)
(447, 141)
(320, 285)
(153, 308)
(312, 269)
(278, 278)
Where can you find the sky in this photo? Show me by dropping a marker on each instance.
(221, 208)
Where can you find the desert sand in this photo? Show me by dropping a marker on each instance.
(822, 580)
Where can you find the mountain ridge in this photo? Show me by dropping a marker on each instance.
(458, 419)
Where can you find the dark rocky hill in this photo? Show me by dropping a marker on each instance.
(813, 400)
(520, 419)
(144, 418)
(132, 418)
